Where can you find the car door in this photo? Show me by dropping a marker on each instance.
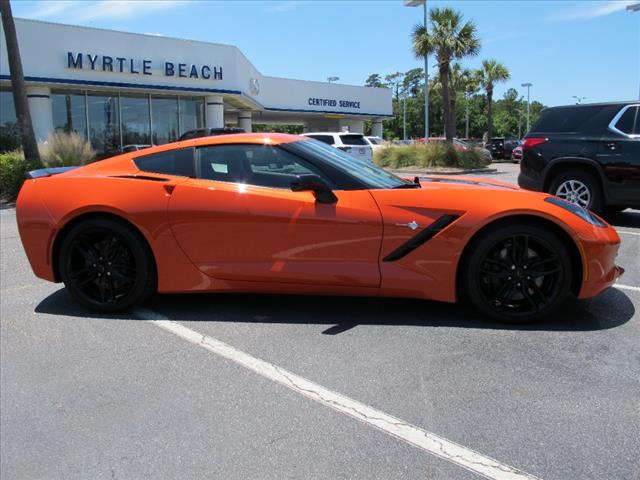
(619, 154)
(239, 220)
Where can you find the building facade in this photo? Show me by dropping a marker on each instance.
(119, 88)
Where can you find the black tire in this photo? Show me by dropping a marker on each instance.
(518, 285)
(593, 190)
(106, 266)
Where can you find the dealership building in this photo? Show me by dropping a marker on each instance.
(119, 88)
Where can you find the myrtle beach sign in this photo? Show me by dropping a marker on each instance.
(106, 63)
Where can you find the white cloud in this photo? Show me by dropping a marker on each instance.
(80, 11)
(588, 10)
(281, 7)
(50, 8)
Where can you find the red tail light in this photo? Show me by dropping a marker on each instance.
(532, 142)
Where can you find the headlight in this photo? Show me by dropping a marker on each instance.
(583, 213)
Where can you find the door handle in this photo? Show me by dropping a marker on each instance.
(611, 145)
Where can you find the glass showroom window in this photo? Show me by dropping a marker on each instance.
(9, 135)
(164, 119)
(104, 128)
(191, 114)
(136, 129)
(69, 112)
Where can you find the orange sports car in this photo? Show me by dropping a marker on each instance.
(286, 214)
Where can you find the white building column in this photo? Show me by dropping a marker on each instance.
(376, 127)
(244, 120)
(39, 100)
(214, 111)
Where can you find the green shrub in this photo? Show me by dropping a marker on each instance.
(9, 137)
(428, 155)
(64, 149)
(12, 171)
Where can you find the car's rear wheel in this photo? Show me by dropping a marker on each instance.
(518, 273)
(578, 187)
(106, 266)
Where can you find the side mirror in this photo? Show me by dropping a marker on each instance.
(313, 183)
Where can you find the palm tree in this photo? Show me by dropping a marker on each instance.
(471, 86)
(491, 72)
(450, 39)
(18, 87)
(461, 81)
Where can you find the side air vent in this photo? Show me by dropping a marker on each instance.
(421, 238)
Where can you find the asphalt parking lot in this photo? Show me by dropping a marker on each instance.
(176, 390)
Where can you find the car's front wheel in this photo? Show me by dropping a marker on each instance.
(578, 187)
(106, 265)
(517, 273)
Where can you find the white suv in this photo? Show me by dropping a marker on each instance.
(352, 143)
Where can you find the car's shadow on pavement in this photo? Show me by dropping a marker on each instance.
(629, 218)
(609, 310)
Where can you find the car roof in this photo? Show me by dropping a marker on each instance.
(124, 160)
(332, 133)
(597, 104)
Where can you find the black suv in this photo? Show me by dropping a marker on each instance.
(586, 154)
(209, 132)
(501, 147)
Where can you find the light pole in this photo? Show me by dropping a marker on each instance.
(519, 123)
(332, 79)
(404, 114)
(634, 7)
(528, 85)
(579, 99)
(466, 130)
(417, 3)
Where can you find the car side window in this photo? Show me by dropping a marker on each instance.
(172, 162)
(627, 121)
(260, 165)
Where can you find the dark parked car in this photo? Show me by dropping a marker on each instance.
(209, 132)
(586, 154)
(501, 147)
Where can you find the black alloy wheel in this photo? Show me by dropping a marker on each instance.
(106, 266)
(518, 273)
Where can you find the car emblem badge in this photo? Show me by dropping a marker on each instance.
(412, 225)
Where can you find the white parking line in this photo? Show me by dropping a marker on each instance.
(628, 233)
(427, 441)
(626, 287)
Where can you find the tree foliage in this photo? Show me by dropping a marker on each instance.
(509, 112)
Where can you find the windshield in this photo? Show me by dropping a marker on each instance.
(370, 175)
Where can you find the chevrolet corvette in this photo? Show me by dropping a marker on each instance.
(276, 213)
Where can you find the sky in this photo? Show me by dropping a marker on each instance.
(564, 48)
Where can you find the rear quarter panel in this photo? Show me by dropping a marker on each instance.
(47, 205)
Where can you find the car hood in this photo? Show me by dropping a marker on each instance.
(470, 181)
(460, 195)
